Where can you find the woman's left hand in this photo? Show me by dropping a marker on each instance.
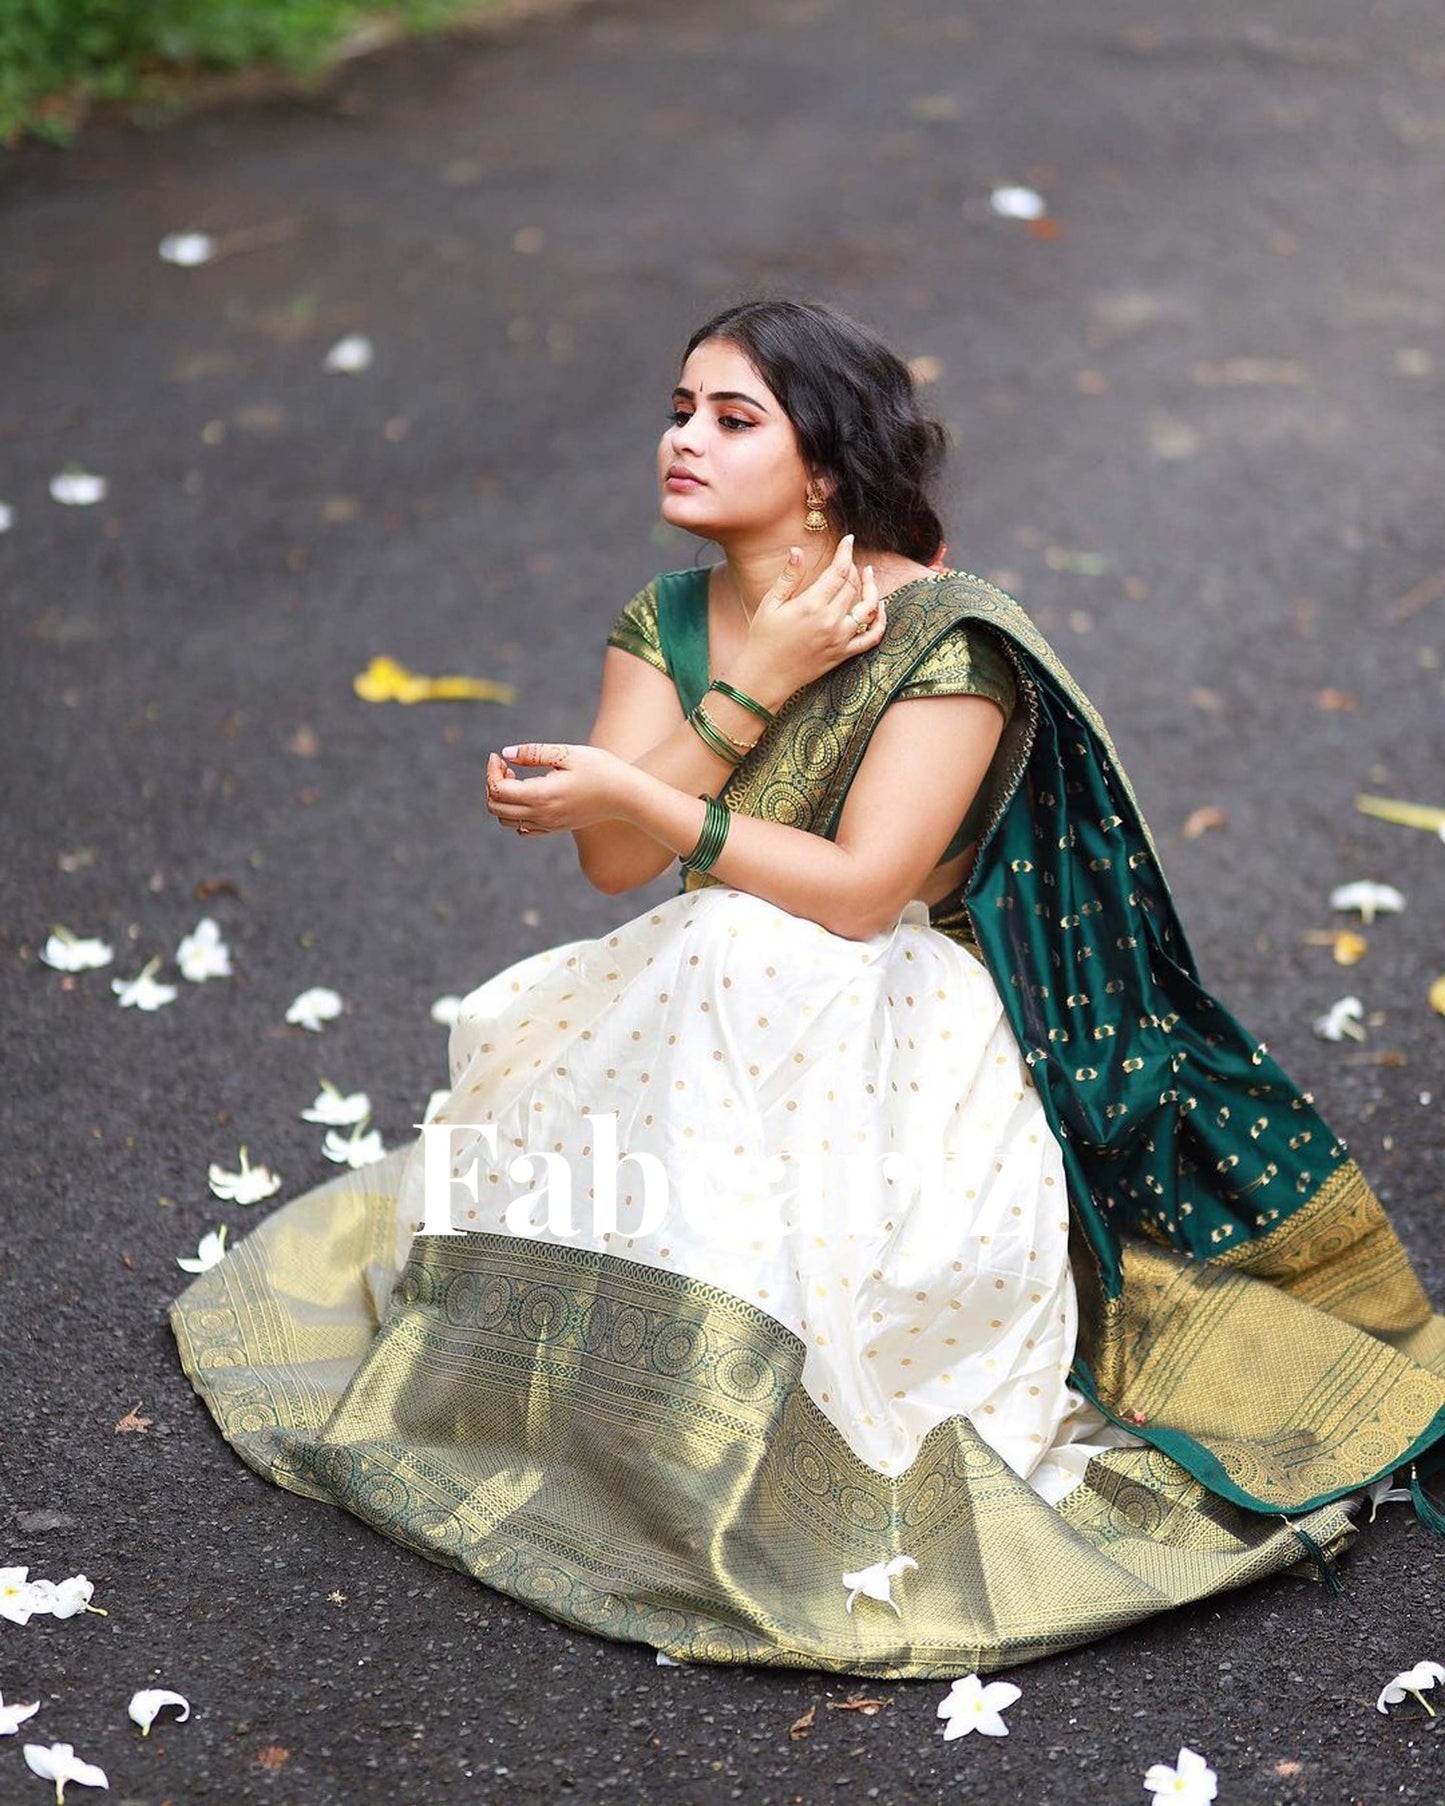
(583, 785)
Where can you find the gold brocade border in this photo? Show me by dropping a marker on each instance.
(1341, 1254)
(1292, 1402)
(632, 1451)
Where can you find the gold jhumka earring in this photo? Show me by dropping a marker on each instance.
(815, 521)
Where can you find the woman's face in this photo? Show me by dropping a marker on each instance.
(731, 435)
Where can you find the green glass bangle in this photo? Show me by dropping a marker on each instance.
(740, 696)
(712, 739)
(720, 817)
(709, 840)
(714, 833)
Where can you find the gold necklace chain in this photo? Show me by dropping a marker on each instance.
(739, 594)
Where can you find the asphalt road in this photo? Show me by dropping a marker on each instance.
(1198, 434)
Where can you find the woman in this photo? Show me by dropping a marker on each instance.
(978, 1285)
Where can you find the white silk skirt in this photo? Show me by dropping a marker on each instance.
(841, 1133)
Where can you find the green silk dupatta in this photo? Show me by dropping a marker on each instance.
(1245, 1305)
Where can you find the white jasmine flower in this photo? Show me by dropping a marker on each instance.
(12, 1717)
(187, 248)
(351, 354)
(203, 954)
(1018, 203)
(67, 952)
(433, 1104)
(1368, 898)
(314, 1007)
(330, 1107)
(20, 1598)
(145, 1705)
(77, 488)
(1341, 1019)
(248, 1186)
(1191, 1781)
(59, 1763)
(7, 521)
(210, 1252)
(972, 1706)
(1414, 1680)
(446, 1010)
(874, 1582)
(144, 991)
(355, 1149)
(664, 1660)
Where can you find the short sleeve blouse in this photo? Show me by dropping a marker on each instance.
(967, 661)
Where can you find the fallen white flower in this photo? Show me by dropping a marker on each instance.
(1414, 1680)
(355, 1149)
(664, 1660)
(145, 1705)
(7, 521)
(445, 1010)
(60, 1764)
(433, 1104)
(77, 488)
(314, 1007)
(68, 1598)
(248, 1186)
(210, 1252)
(67, 952)
(351, 354)
(1384, 1493)
(1368, 898)
(187, 248)
(874, 1582)
(972, 1706)
(1018, 203)
(20, 1598)
(336, 1111)
(144, 991)
(1191, 1781)
(12, 1717)
(203, 954)
(1341, 1019)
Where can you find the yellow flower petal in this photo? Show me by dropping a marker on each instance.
(385, 680)
(381, 680)
(1437, 995)
(1348, 946)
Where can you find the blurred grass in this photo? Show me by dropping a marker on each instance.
(58, 57)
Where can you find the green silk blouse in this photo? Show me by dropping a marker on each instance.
(966, 661)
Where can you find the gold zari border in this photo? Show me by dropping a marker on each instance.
(633, 1452)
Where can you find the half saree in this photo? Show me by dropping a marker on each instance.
(1064, 1290)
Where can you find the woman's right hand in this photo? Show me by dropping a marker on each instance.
(799, 635)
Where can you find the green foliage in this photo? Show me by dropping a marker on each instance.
(57, 55)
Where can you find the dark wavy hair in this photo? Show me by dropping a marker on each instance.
(855, 410)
